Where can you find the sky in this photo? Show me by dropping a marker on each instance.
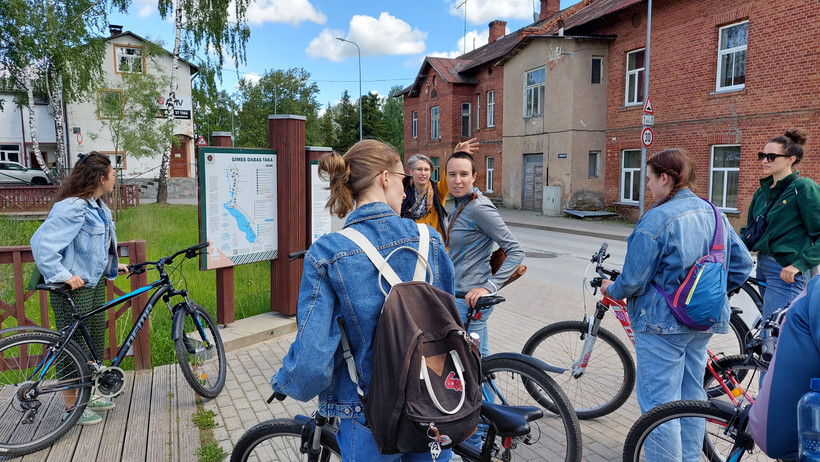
(394, 37)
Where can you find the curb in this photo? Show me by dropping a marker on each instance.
(580, 232)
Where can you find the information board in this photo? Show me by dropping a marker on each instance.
(237, 205)
(320, 193)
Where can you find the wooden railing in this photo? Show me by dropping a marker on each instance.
(33, 198)
(133, 251)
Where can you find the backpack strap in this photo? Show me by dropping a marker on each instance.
(351, 363)
(424, 250)
(385, 270)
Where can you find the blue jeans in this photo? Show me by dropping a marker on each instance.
(669, 368)
(357, 445)
(479, 326)
(777, 293)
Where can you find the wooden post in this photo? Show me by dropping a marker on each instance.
(142, 345)
(225, 308)
(287, 137)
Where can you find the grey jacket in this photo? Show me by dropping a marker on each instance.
(470, 243)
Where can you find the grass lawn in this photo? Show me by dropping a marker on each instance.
(165, 229)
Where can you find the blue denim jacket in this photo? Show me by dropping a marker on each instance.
(340, 282)
(665, 243)
(77, 238)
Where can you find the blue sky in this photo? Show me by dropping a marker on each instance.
(394, 36)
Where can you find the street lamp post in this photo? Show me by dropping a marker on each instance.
(359, 50)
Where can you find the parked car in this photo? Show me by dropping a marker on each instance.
(14, 173)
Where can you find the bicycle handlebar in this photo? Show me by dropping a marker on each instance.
(598, 258)
(190, 252)
(276, 396)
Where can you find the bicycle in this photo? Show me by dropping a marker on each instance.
(657, 434)
(42, 369)
(602, 389)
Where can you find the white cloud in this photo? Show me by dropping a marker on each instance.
(386, 35)
(290, 12)
(474, 40)
(251, 77)
(146, 11)
(484, 11)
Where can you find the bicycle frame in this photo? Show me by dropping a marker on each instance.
(594, 323)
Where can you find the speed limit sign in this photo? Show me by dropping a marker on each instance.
(646, 137)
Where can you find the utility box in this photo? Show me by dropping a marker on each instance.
(552, 201)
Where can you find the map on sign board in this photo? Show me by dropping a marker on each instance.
(238, 205)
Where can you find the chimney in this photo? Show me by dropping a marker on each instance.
(114, 29)
(497, 30)
(549, 8)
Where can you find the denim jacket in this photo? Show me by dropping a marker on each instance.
(78, 238)
(340, 283)
(665, 243)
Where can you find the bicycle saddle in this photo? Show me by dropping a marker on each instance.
(59, 287)
(510, 420)
(487, 301)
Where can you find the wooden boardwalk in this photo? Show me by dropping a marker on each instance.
(153, 421)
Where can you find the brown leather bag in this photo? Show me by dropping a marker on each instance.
(497, 259)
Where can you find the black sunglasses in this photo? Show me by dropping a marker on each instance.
(770, 156)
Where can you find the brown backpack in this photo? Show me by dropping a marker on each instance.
(425, 388)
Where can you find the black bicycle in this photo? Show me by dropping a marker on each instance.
(46, 379)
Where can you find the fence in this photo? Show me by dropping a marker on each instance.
(31, 198)
(135, 251)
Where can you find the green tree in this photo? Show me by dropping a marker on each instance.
(346, 117)
(393, 110)
(373, 125)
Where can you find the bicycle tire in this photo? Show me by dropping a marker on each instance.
(609, 378)
(732, 342)
(202, 360)
(279, 439)
(745, 373)
(719, 437)
(51, 420)
(752, 293)
(517, 383)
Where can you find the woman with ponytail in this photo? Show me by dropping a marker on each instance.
(786, 249)
(666, 242)
(340, 285)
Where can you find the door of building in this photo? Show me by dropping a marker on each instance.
(179, 158)
(533, 188)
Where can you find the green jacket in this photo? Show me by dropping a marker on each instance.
(793, 224)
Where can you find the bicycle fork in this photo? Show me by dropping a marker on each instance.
(589, 337)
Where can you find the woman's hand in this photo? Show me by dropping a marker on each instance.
(604, 284)
(472, 296)
(467, 146)
(75, 282)
(788, 273)
(122, 269)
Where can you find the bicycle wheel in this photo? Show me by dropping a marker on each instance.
(609, 377)
(745, 372)
(657, 435)
(199, 349)
(734, 341)
(280, 440)
(556, 436)
(33, 415)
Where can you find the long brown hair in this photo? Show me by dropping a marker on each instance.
(352, 174)
(676, 163)
(792, 142)
(85, 176)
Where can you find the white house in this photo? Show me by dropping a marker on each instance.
(15, 133)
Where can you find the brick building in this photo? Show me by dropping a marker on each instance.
(724, 78)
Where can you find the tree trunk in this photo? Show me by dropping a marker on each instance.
(32, 124)
(56, 97)
(162, 186)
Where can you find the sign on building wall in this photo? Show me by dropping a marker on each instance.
(237, 205)
(320, 193)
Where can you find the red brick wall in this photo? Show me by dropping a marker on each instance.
(782, 86)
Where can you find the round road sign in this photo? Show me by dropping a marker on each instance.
(646, 137)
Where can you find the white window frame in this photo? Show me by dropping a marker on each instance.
(435, 123)
(725, 171)
(637, 74)
(633, 174)
(478, 111)
(733, 52)
(597, 164)
(415, 124)
(489, 176)
(534, 92)
(466, 111)
(435, 175)
(491, 108)
(10, 152)
(130, 54)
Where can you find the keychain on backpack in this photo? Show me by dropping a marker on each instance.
(435, 446)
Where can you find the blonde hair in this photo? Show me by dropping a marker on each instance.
(352, 174)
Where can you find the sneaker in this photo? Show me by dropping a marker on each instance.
(89, 418)
(100, 403)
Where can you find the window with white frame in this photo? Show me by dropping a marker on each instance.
(490, 174)
(630, 175)
(634, 77)
(491, 108)
(731, 74)
(478, 111)
(435, 175)
(435, 132)
(10, 152)
(594, 164)
(465, 120)
(109, 104)
(129, 59)
(724, 175)
(117, 158)
(534, 93)
(597, 69)
(415, 124)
